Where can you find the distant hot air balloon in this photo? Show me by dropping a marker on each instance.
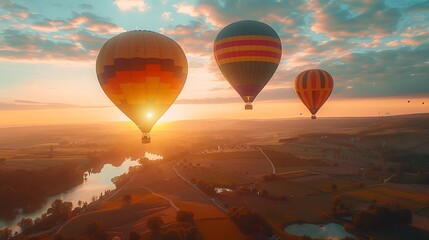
(142, 72)
(247, 53)
(313, 87)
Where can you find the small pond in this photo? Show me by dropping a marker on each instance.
(330, 231)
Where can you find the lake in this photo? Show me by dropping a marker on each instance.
(331, 231)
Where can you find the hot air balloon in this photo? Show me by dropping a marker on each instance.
(142, 72)
(313, 87)
(247, 53)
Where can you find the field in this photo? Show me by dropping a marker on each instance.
(226, 152)
(284, 187)
(214, 175)
(370, 194)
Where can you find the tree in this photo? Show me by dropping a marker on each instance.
(184, 216)
(134, 236)
(5, 234)
(171, 235)
(96, 231)
(155, 223)
(249, 222)
(61, 210)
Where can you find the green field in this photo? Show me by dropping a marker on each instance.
(369, 194)
(284, 187)
(325, 185)
(213, 175)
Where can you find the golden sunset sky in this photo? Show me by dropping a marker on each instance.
(376, 51)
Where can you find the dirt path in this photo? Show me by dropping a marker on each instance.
(163, 197)
(269, 160)
(223, 209)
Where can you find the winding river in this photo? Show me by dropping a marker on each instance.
(95, 184)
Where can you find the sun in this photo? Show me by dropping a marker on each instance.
(149, 115)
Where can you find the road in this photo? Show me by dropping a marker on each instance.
(268, 159)
(223, 209)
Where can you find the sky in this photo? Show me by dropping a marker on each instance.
(376, 50)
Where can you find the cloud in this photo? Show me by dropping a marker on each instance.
(128, 5)
(92, 22)
(166, 16)
(219, 14)
(75, 39)
(353, 18)
(396, 72)
(22, 46)
(86, 6)
(13, 10)
(87, 21)
(34, 105)
(419, 7)
(265, 95)
(45, 26)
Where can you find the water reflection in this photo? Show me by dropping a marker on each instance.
(331, 231)
(153, 156)
(221, 190)
(95, 184)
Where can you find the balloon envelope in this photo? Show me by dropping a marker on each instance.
(142, 72)
(247, 53)
(313, 87)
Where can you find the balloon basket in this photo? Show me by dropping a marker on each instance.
(248, 106)
(313, 116)
(146, 138)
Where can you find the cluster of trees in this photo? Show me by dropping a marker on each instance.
(338, 209)
(186, 230)
(59, 212)
(250, 222)
(28, 189)
(210, 188)
(271, 177)
(261, 193)
(378, 216)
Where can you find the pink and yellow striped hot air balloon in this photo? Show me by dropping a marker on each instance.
(248, 53)
(313, 87)
(142, 72)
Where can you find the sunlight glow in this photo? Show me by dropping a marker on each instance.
(149, 115)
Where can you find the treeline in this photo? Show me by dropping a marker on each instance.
(379, 216)
(28, 189)
(250, 222)
(210, 189)
(185, 228)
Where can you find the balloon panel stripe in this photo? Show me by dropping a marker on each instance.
(247, 37)
(322, 79)
(249, 53)
(248, 42)
(248, 47)
(152, 67)
(313, 78)
(248, 59)
(304, 80)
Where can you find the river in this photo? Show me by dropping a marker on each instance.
(95, 184)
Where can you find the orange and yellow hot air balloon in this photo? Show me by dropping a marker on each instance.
(313, 87)
(142, 72)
